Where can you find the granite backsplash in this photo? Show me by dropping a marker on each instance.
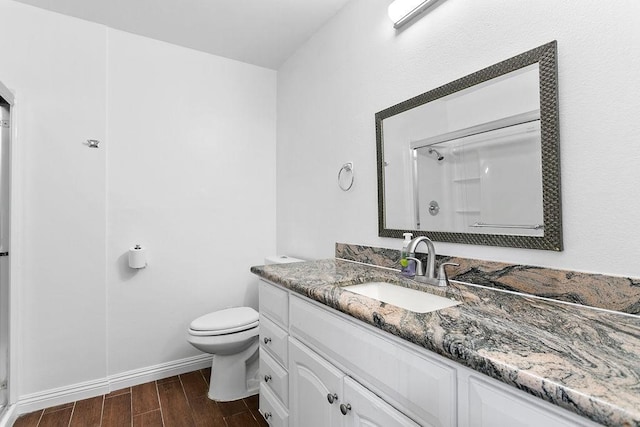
(595, 290)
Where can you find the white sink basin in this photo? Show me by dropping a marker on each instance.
(409, 299)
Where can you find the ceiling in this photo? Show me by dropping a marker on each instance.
(259, 32)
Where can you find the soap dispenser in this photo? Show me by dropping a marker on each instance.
(408, 266)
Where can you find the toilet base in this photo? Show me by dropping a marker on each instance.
(234, 377)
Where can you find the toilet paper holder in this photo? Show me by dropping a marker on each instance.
(137, 257)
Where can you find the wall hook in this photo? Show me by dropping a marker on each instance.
(93, 143)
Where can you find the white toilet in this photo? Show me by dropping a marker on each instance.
(231, 335)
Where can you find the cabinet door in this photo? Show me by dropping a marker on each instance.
(490, 406)
(360, 407)
(311, 381)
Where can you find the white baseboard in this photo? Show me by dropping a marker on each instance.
(58, 396)
(157, 372)
(85, 390)
(8, 416)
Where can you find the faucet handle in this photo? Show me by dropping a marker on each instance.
(419, 268)
(443, 279)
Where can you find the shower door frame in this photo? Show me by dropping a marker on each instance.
(15, 257)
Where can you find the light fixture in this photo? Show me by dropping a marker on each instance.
(402, 11)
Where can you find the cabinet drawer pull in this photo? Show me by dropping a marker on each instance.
(332, 397)
(345, 408)
(267, 340)
(267, 378)
(267, 415)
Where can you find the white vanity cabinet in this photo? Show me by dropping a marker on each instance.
(324, 396)
(335, 364)
(420, 387)
(274, 354)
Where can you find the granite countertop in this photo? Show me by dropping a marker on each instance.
(581, 359)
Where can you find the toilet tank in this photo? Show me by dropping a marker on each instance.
(280, 259)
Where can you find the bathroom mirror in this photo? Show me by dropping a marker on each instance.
(477, 160)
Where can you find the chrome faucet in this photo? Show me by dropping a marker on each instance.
(426, 273)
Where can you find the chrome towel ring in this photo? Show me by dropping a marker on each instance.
(345, 183)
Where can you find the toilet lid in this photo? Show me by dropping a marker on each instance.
(228, 320)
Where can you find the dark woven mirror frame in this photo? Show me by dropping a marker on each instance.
(546, 57)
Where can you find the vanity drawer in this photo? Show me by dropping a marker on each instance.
(272, 410)
(273, 339)
(420, 387)
(274, 303)
(275, 377)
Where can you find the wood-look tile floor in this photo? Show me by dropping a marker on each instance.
(179, 401)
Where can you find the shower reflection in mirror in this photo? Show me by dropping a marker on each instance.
(485, 179)
(477, 152)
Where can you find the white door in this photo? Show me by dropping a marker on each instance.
(315, 389)
(361, 408)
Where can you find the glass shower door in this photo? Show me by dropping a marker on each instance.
(5, 134)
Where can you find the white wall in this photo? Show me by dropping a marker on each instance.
(60, 85)
(329, 91)
(186, 168)
(191, 177)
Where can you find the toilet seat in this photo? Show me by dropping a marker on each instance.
(223, 322)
